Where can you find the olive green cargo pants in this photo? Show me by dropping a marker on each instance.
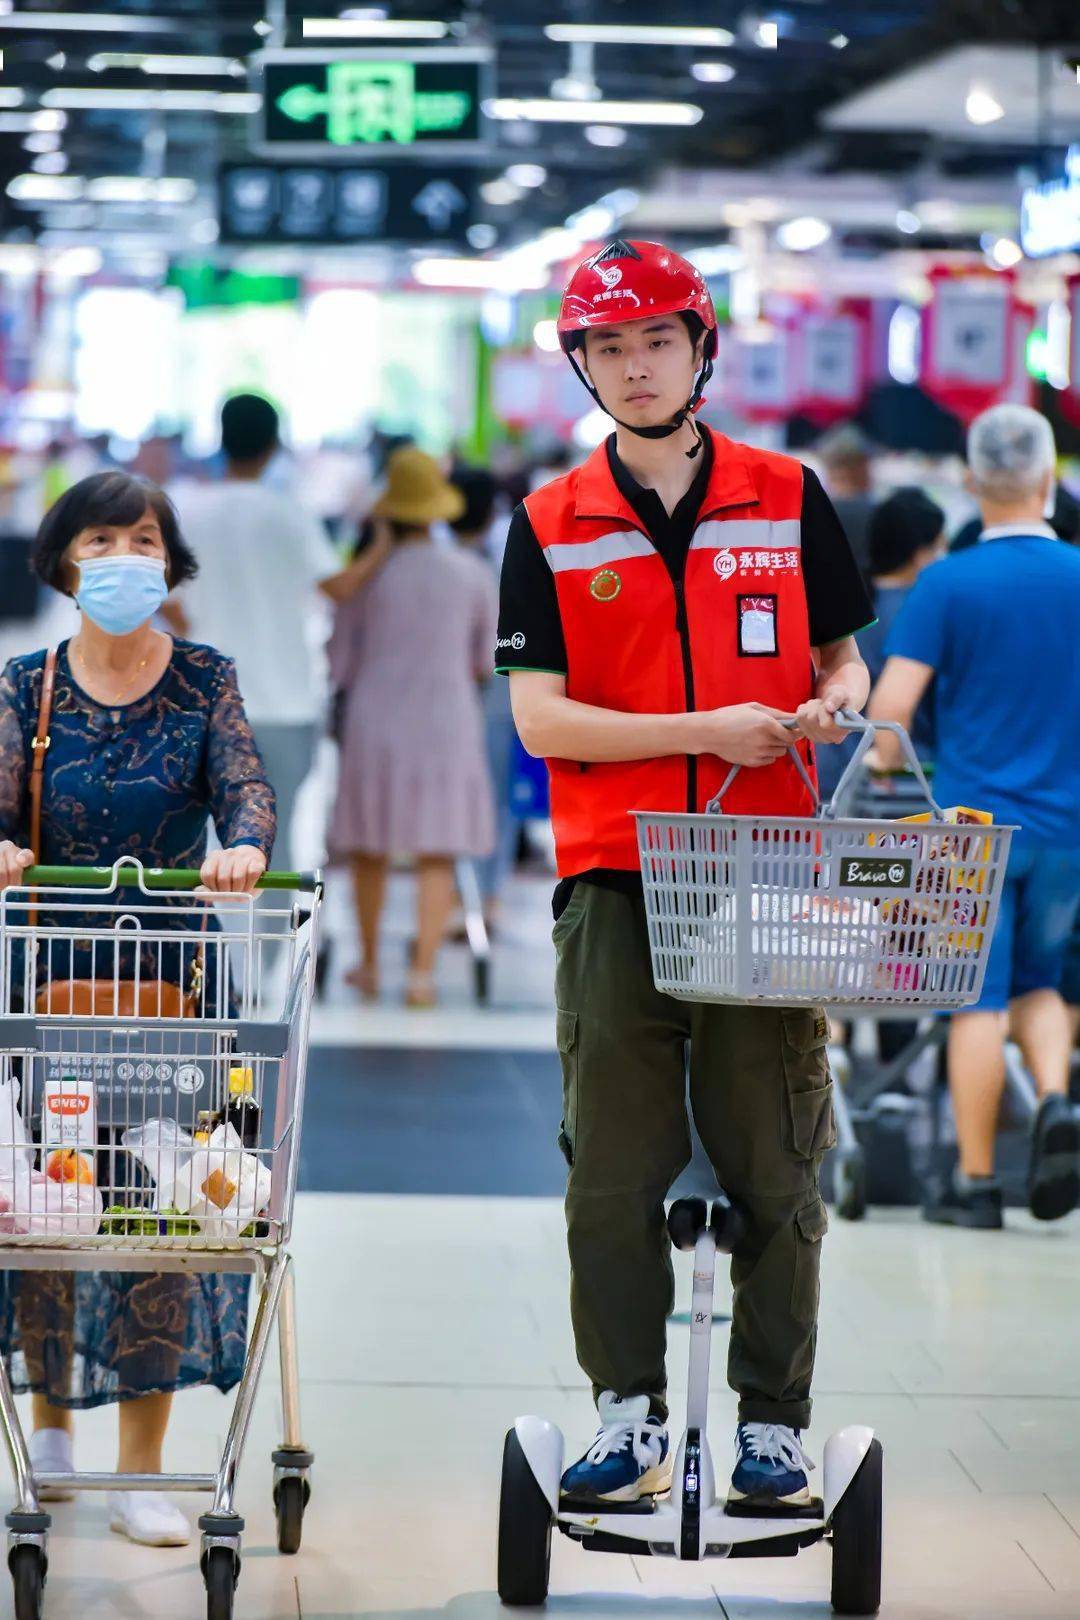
(761, 1096)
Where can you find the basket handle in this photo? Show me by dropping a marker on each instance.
(713, 807)
(848, 720)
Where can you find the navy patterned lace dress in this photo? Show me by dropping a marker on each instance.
(132, 779)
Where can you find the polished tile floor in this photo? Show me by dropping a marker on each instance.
(426, 1324)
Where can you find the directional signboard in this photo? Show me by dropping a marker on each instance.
(340, 104)
(326, 204)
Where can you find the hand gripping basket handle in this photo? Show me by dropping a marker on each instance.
(713, 808)
(847, 720)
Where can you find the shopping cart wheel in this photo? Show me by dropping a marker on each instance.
(28, 1566)
(856, 1540)
(290, 1499)
(850, 1184)
(221, 1571)
(524, 1530)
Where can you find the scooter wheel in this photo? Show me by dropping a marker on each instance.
(525, 1522)
(856, 1540)
(687, 1219)
(851, 1186)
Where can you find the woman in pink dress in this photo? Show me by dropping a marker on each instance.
(409, 653)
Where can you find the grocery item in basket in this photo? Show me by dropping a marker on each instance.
(69, 1130)
(216, 1183)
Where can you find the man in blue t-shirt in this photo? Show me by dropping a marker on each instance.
(997, 629)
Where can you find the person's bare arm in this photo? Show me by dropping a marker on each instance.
(843, 682)
(554, 726)
(897, 695)
(344, 585)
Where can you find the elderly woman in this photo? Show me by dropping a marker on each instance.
(148, 740)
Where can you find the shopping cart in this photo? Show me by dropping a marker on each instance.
(845, 912)
(153, 1043)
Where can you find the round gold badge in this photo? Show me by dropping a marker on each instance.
(605, 585)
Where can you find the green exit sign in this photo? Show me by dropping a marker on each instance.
(353, 102)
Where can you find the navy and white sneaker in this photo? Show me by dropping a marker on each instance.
(629, 1458)
(770, 1467)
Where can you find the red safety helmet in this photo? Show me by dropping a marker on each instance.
(626, 281)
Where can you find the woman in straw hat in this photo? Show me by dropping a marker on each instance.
(409, 653)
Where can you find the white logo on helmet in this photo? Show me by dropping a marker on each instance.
(725, 563)
(609, 274)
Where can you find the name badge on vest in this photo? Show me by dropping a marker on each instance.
(757, 626)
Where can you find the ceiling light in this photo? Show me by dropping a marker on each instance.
(982, 106)
(45, 188)
(546, 337)
(135, 188)
(205, 231)
(262, 27)
(26, 123)
(18, 258)
(51, 22)
(480, 274)
(363, 13)
(1004, 253)
(717, 261)
(541, 110)
(605, 135)
(50, 163)
(802, 234)
(372, 28)
(12, 98)
(526, 175)
(500, 193)
(635, 34)
(57, 62)
(908, 222)
(839, 42)
(101, 100)
(204, 66)
(713, 72)
(767, 35)
(44, 141)
(482, 236)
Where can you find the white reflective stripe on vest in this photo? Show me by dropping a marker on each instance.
(565, 557)
(765, 534)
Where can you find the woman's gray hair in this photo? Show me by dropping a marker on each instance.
(1010, 450)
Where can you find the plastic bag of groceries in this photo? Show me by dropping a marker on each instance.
(218, 1183)
(31, 1202)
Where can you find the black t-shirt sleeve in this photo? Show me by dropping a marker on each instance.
(530, 634)
(836, 596)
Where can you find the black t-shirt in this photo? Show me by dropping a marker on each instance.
(530, 633)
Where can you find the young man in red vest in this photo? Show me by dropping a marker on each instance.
(665, 607)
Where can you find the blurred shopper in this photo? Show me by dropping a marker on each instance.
(906, 534)
(148, 739)
(409, 652)
(262, 560)
(1063, 518)
(995, 628)
(845, 454)
(476, 531)
(664, 608)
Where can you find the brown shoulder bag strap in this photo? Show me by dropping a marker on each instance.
(40, 747)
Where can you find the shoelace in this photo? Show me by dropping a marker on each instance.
(643, 1437)
(774, 1442)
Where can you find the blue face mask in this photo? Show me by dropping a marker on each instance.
(120, 593)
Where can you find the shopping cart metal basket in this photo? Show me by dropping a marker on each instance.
(153, 1054)
(846, 912)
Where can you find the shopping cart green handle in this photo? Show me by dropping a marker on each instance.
(151, 877)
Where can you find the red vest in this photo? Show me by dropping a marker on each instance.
(733, 631)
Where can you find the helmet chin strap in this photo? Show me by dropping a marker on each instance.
(663, 430)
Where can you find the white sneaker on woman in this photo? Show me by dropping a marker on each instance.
(149, 1518)
(51, 1452)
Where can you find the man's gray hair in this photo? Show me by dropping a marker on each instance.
(1010, 450)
